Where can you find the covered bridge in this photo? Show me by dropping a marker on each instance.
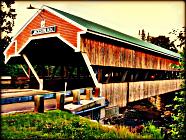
(86, 54)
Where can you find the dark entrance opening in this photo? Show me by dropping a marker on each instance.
(56, 63)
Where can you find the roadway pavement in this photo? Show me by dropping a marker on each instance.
(27, 106)
(49, 104)
(24, 106)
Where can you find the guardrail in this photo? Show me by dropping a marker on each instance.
(118, 94)
(39, 97)
(51, 95)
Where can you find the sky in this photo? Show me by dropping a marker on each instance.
(157, 18)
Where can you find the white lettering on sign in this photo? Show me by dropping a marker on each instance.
(44, 30)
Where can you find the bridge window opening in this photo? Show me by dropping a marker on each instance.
(54, 77)
(118, 75)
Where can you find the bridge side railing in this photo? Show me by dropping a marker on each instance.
(118, 94)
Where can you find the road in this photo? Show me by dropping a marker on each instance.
(27, 106)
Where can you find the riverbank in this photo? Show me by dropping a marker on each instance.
(137, 114)
(60, 125)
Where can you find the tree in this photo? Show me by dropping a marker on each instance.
(7, 18)
(143, 35)
(179, 38)
(164, 42)
(178, 117)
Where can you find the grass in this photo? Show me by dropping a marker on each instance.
(59, 125)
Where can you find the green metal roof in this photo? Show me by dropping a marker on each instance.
(91, 26)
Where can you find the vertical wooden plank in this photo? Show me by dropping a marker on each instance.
(121, 97)
(151, 93)
(130, 58)
(92, 48)
(102, 54)
(97, 91)
(88, 49)
(76, 97)
(138, 90)
(135, 91)
(141, 90)
(144, 60)
(88, 92)
(158, 62)
(137, 59)
(39, 103)
(96, 53)
(118, 55)
(125, 94)
(82, 43)
(151, 61)
(149, 89)
(91, 54)
(153, 86)
(140, 60)
(103, 91)
(109, 91)
(154, 62)
(144, 90)
(133, 59)
(124, 57)
(121, 57)
(114, 55)
(114, 90)
(147, 61)
(60, 101)
(130, 91)
(109, 53)
(107, 56)
(113, 93)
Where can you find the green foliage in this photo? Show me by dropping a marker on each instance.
(178, 117)
(59, 125)
(164, 42)
(179, 37)
(152, 130)
(7, 18)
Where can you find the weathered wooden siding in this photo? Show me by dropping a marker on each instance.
(67, 30)
(107, 54)
(116, 93)
(145, 89)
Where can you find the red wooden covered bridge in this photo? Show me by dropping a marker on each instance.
(86, 54)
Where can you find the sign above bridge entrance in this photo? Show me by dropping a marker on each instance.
(44, 30)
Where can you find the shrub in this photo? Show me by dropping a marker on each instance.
(152, 130)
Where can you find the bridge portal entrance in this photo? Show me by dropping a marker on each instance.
(49, 63)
